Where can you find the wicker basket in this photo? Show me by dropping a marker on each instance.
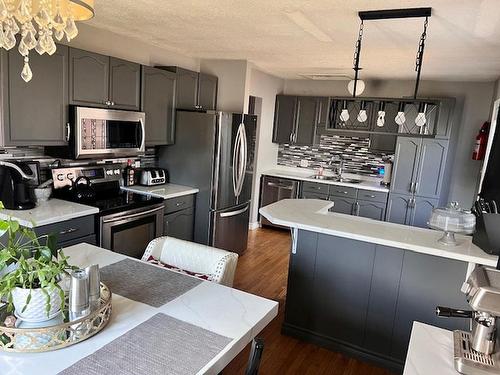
(35, 340)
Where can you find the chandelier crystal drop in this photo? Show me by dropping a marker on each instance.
(33, 24)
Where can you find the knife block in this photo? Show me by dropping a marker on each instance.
(487, 235)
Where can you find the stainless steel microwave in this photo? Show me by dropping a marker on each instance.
(102, 133)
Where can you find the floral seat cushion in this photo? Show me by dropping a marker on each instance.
(202, 276)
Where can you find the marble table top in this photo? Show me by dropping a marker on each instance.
(217, 308)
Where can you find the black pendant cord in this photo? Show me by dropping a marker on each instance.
(357, 53)
(420, 56)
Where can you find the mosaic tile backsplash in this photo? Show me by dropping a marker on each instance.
(355, 151)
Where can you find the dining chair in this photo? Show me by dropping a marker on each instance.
(205, 262)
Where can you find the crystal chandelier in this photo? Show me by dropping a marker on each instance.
(38, 22)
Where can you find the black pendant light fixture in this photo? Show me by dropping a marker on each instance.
(392, 14)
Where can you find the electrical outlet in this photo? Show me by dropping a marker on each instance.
(304, 163)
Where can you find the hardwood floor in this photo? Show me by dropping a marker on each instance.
(262, 270)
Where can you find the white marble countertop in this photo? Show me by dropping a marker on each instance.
(52, 211)
(430, 351)
(165, 191)
(302, 174)
(313, 215)
(217, 308)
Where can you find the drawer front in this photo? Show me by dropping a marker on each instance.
(70, 229)
(314, 187)
(91, 239)
(343, 191)
(179, 203)
(373, 196)
(308, 195)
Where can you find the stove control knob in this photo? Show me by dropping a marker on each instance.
(60, 177)
(70, 176)
(117, 171)
(109, 172)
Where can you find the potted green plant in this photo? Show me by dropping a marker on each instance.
(34, 267)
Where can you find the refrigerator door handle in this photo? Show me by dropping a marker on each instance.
(244, 154)
(234, 213)
(236, 152)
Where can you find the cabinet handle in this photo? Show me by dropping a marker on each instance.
(68, 131)
(370, 196)
(415, 190)
(356, 205)
(112, 103)
(68, 231)
(412, 187)
(180, 204)
(343, 192)
(290, 138)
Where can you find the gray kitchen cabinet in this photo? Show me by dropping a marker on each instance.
(431, 167)
(426, 282)
(88, 78)
(324, 112)
(300, 300)
(406, 161)
(412, 108)
(284, 118)
(102, 81)
(180, 224)
(315, 187)
(342, 205)
(399, 209)
(422, 210)
(71, 232)
(207, 91)
(125, 84)
(35, 112)
(372, 210)
(310, 195)
(158, 102)
(306, 120)
(353, 107)
(187, 89)
(340, 311)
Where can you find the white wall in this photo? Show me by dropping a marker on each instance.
(264, 86)
(473, 107)
(101, 41)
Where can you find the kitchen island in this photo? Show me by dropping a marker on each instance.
(357, 285)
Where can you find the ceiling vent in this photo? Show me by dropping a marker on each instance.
(326, 76)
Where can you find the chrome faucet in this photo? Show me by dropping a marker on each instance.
(340, 166)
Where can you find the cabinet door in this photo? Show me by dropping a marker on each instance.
(405, 165)
(158, 102)
(399, 209)
(88, 78)
(342, 281)
(284, 119)
(207, 91)
(35, 113)
(431, 168)
(342, 205)
(180, 225)
(422, 211)
(372, 210)
(187, 89)
(426, 282)
(124, 84)
(411, 112)
(324, 111)
(353, 108)
(309, 195)
(306, 120)
(382, 143)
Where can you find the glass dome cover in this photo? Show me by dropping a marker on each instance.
(452, 219)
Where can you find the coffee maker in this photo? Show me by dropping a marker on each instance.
(477, 351)
(14, 185)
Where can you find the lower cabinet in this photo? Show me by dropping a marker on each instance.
(372, 210)
(342, 205)
(410, 210)
(362, 298)
(180, 224)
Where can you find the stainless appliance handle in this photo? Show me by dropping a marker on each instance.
(143, 213)
(16, 168)
(234, 213)
(68, 131)
(285, 187)
(244, 154)
(235, 162)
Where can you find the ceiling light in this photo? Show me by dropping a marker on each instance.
(400, 118)
(38, 22)
(360, 87)
(344, 114)
(421, 120)
(362, 116)
(305, 24)
(381, 115)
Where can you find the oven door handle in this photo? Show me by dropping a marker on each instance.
(125, 217)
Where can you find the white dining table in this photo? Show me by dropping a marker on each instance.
(226, 311)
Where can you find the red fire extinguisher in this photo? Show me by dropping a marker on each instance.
(481, 142)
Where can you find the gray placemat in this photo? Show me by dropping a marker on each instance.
(144, 283)
(160, 345)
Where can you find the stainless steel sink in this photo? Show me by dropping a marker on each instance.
(336, 178)
(321, 177)
(349, 180)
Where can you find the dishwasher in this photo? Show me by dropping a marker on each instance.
(274, 189)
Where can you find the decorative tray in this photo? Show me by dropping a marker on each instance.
(57, 336)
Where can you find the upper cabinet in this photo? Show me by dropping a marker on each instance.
(34, 113)
(102, 81)
(296, 119)
(158, 102)
(194, 90)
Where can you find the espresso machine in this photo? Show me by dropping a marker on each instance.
(477, 352)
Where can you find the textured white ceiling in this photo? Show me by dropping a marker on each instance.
(463, 38)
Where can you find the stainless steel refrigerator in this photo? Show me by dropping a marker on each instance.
(214, 152)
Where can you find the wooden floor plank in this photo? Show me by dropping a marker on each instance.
(263, 270)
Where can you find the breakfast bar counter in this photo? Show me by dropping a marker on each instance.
(357, 285)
